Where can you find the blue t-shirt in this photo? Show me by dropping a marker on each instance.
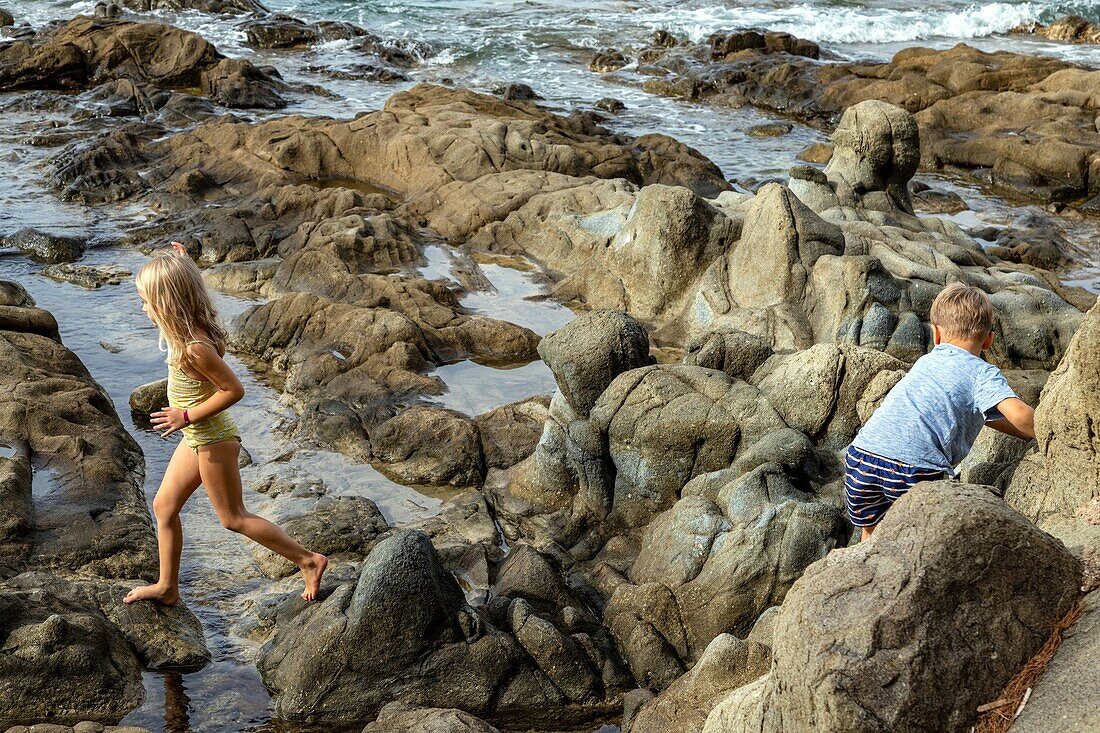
(931, 418)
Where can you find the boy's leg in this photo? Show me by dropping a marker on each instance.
(181, 478)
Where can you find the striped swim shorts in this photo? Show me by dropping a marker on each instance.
(873, 483)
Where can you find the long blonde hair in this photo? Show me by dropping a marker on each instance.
(180, 304)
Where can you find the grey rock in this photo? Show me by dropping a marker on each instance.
(46, 247)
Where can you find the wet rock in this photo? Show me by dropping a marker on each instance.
(591, 351)
(609, 104)
(6, 18)
(89, 51)
(608, 60)
(149, 398)
(727, 664)
(915, 582)
(931, 201)
(91, 515)
(510, 433)
(236, 83)
(221, 7)
(428, 445)
(88, 276)
(516, 92)
(1070, 29)
(63, 663)
(46, 247)
(771, 129)
(737, 353)
(401, 718)
(342, 527)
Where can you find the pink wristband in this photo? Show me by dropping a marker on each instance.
(186, 420)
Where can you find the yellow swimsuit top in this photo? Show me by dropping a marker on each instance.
(185, 392)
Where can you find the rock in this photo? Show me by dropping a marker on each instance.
(462, 660)
(914, 582)
(341, 527)
(818, 391)
(90, 513)
(770, 129)
(148, 398)
(516, 92)
(528, 575)
(1062, 473)
(400, 718)
(1070, 29)
(720, 563)
(45, 247)
(816, 153)
(428, 445)
(588, 353)
(609, 104)
(932, 201)
(726, 664)
(236, 83)
(6, 18)
(736, 353)
(223, 7)
(14, 294)
(1059, 702)
(88, 276)
(63, 663)
(608, 60)
(510, 433)
(89, 51)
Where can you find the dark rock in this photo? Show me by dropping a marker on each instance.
(608, 60)
(516, 92)
(400, 718)
(609, 104)
(428, 445)
(736, 353)
(46, 247)
(88, 276)
(224, 7)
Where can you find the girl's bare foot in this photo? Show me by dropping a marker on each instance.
(157, 592)
(312, 570)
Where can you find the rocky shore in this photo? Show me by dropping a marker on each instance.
(660, 543)
(1023, 124)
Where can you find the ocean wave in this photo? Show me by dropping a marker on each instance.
(870, 25)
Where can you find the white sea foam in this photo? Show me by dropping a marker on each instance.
(850, 24)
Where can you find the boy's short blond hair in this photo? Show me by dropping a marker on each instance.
(963, 311)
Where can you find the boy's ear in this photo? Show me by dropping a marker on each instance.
(937, 335)
(988, 341)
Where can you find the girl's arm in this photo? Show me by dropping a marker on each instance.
(230, 390)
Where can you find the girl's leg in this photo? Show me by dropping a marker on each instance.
(181, 478)
(222, 479)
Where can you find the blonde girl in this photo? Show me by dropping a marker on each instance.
(201, 386)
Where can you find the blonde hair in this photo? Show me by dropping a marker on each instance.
(180, 304)
(963, 311)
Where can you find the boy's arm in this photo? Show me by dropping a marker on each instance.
(1018, 420)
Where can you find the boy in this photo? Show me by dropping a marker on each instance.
(930, 419)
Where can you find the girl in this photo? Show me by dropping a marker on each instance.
(200, 388)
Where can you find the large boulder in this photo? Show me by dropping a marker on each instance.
(1061, 475)
(399, 718)
(916, 628)
(590, 352)
(403, 632)
(714, 562)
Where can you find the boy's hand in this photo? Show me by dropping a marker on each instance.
(1019, 419)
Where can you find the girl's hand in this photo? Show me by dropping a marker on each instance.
(179, 248)
(168, 419)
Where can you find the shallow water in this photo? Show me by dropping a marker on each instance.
(479, 44)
